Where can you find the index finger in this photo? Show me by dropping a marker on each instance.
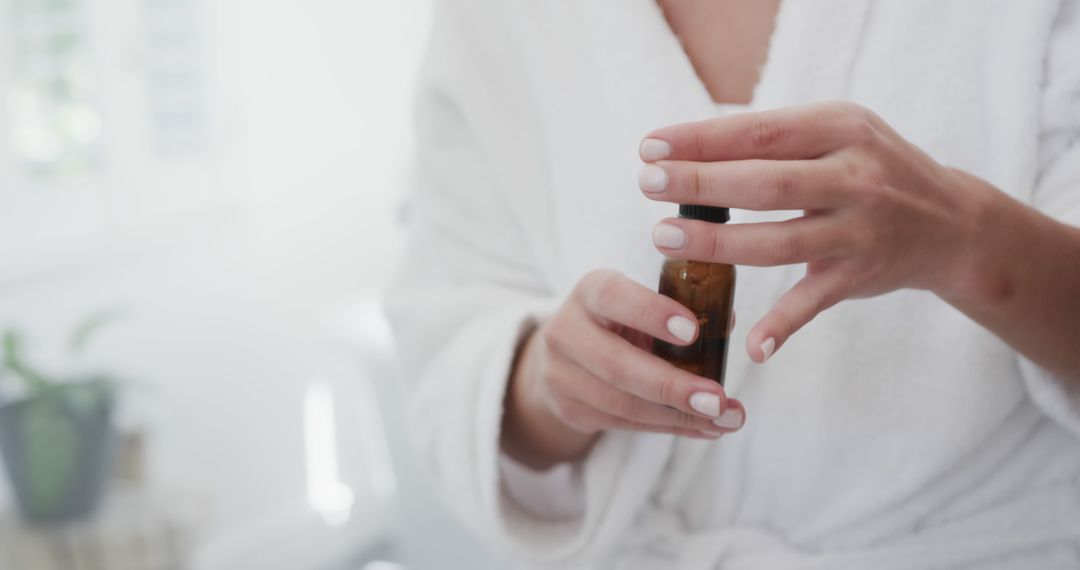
(610, 295)
(791, 133)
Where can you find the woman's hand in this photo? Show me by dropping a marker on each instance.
(588, 369)
(880, 214)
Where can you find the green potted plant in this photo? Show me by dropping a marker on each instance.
(56, 434)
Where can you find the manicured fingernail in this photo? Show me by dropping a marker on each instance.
(706, 403)
(668, 236)
(682, 328)
(731, 419)
(654, 149)
(767, 348)
(652, 178)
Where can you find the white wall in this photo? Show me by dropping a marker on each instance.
(232, 264)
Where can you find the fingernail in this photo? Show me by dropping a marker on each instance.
(767, 348)
(652, 178)
(731, 419)
(706, 403)
(654, 149)
(668, 236)
(682, 328)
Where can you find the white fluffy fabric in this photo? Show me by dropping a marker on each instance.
(890, 433)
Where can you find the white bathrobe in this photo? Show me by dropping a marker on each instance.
(891, 432)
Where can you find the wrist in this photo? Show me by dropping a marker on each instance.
(982, 265)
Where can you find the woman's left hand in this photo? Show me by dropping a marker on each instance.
(880, 214)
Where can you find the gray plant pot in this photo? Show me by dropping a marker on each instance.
(58, 452)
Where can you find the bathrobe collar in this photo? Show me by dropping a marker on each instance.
(634, 67)
(641, 58)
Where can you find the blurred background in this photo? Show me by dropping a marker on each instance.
(200, 202)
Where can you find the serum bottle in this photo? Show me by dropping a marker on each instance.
(707, 289)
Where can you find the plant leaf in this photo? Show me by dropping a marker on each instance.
(89, 326)
(35, 382)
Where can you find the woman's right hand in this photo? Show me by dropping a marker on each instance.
(589, 369)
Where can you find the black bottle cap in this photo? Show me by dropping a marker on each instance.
(704, 213)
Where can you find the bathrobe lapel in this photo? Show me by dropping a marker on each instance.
(629, 76)
(810, 55)
(635, 69)
(812, 52)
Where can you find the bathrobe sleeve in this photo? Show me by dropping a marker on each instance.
(470, 284)
(1057, 192)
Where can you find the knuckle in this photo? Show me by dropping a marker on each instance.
(698, 184)
(788, 248)
(849, 108)
(863, 131)
(777, 189)
(857, 118)
(872, 117)
(871, 182)
(767, 135)
(717, 247)
(667, 390)
(602, 288)
(643, 314)
(843, 108)
(687, 421)
(625, 406)
(698, 141)
(594, 278)
(554, 334)
(610, 368)
(863, 176)
(845, 115)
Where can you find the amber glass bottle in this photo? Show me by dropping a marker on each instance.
(708, 290)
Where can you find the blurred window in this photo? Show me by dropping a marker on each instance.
(106, 130)
(52, 108)
(176, 83)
